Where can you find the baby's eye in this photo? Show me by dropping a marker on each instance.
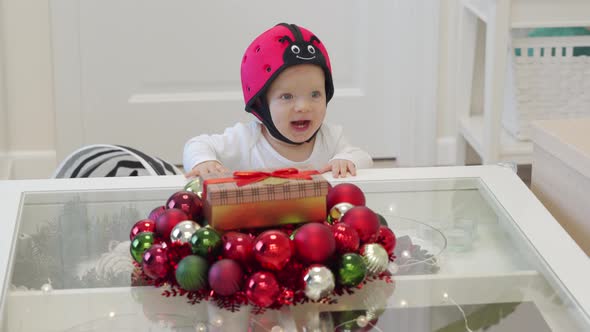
(316, 94)
(286, 96)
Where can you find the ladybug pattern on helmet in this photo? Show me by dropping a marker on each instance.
(276, 49)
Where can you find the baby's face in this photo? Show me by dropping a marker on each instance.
(297, 101)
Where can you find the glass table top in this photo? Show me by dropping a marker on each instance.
(462, 265)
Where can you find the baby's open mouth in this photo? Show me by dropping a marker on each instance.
(301, 124)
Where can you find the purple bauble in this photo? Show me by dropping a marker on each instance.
(225, 277)
(155, 262)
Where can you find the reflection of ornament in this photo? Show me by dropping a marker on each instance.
(364, 221)
(262, 289)
(191, 273)
(145, 225)
(345, 193)
(314, 243)
(338, 210)
(387, 239)
(225, 277)
(140, 243)
(376, 258)
(351, 270)
(346, 237)
(238, 246)
(183, 231)
(168, 220)
(186, 201)
(195, 186)
(272, 249)
(206, 242)
(382, 220)
(156, 212)
(318, 281)
(155, 262)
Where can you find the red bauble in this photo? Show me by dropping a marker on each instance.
(387, 239)
(157, 212)
(155, 262)
(345, 193)
(168, 220)
(225, 277)
(262, 289)
(346, 237)
(314, 243)
(364, 221)
(273, 249)
(144, 225)
(188, 202)
(238, 246)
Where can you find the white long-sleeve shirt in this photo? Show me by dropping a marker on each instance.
(243, 147)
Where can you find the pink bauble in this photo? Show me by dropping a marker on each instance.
(364, 221)
(188, 202)
(387, 239)
(225, 277)
(168, 220)
(262, 289)
(144, 225)
(314, 243)
(346, 237)
(155, 262)
(156, 212)
(345, 193)
(238, 246)
(272, 249)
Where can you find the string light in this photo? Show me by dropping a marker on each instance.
(447, 298)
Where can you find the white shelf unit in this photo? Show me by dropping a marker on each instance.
(483, 131)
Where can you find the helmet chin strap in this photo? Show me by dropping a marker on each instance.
(262, 112)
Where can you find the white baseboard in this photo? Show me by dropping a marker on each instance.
(446, 151)
(24, 164)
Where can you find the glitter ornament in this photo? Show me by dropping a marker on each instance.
(140, 244)
(183, 231)
(346, 237)
(319, 282)
(375, 257)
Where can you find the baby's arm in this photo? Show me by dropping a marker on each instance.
(347, 158)
(208, 153)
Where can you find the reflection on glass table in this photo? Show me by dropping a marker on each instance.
(462, 265)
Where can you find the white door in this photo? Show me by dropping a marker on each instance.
(152, 74)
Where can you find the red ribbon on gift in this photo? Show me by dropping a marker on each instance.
(244, 178)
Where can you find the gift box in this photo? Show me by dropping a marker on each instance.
(249, 199)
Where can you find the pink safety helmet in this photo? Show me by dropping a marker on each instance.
(277, 48)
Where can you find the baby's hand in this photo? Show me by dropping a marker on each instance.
(211, 166)
(340, 167)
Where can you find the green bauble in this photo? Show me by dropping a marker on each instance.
(351, 270)
(140, 243)
(206, 242)
(191, 273)
(195, 186)
(382, 220)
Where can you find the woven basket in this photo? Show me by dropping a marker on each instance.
(545, 81)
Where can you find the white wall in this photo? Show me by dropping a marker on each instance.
(27, 115)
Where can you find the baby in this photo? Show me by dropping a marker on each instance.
(287, 84)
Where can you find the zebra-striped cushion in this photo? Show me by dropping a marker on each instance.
(112, 160)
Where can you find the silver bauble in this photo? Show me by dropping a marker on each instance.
(183, 231)
(319, 282)
(375, 258)
(338, 210)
